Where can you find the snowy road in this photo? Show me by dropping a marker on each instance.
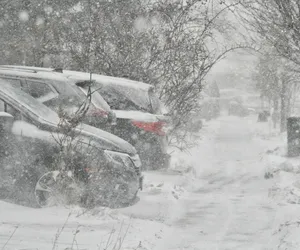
(223, 205)
(228, 208)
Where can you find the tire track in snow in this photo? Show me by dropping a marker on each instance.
(230, 208)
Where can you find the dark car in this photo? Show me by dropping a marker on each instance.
(139, 112)
(137, 109)
(107, 166)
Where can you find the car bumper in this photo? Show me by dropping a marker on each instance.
(141, 182)
(137, 164)
(153, 153)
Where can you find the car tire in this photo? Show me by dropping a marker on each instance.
(23, 188)
(55, 188)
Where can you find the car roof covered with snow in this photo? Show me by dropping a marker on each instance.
(58, 79)
(135, 91)
(108, 80)
(31, 73)
(139, 93)
(76, 75)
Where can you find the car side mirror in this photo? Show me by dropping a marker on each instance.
(6, 122)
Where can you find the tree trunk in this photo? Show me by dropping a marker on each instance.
(288, 107)
(283, 111)
(275, 112)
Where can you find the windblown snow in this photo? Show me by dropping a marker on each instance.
(215, 196)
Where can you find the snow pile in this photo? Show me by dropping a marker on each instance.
(286, 234)
(286, 188)
(159, 198)
(285, 174)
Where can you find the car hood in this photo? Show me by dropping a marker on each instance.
(105, 140)
(139, 116)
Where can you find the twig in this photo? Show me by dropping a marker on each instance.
(9, 238)
(60, 231)
(122, 240)
(109, 239)
(74, 237)
(118, 237)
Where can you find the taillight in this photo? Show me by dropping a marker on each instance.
(154, 127)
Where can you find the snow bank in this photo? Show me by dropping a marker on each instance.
(284, 171)
(284, 174)
(287, 236)
(142, 226)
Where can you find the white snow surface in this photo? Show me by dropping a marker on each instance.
(138, 115)
(76, 75)
(213, 197)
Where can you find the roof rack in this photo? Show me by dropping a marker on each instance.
(32, 69)
(18, 69)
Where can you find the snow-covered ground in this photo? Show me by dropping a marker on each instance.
(214, 197)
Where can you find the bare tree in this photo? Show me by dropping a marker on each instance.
(276, 21)
(169, 44)
(277, 80)
(275, 25)
(164, 43)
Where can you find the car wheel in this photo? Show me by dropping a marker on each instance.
(54, 188)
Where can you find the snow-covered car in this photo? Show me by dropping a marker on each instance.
(140, 115)
(133, 106)
(56, 91)
(107, 166)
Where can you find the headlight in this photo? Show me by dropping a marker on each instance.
(136, 161)
(131, 162)
(123, 159)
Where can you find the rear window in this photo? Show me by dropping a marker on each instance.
(126, 98)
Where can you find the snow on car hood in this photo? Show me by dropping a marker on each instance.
(106, 140)
(48, 118)
(139, 116)
(86, 134)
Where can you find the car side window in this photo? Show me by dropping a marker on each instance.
(14, 82)
(37, 89)
(5, 107)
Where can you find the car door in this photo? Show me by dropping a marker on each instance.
(21, 151)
